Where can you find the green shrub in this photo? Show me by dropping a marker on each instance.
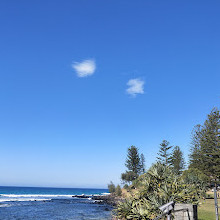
(111, 187)
(158, 186)
(118, 190)
(126, 186)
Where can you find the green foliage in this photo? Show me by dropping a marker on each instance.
(196, 177)
(111, 187)
(135, 165)
(195, 155)
(126, 186)
(142, 163)
(133, 160)
(159, 185)
(164, 155)
(205, 151)
(118, 191)
(177, 160)
(129, 176)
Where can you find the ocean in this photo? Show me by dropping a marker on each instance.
(38, 203)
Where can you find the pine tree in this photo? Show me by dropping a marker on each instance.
(133, 164)
(177, 160)
(195, 155)
(210, 145)
(205, 152)
(164, 155)
(142, 163)
(133, 160)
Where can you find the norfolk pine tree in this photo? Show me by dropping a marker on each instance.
(177, 160)
(133, 164)
(205, 153)
(195, 155)
(142, 163)
(164, 155)
(133, 160)
(210, 145)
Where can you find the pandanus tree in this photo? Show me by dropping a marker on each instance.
(159, 185)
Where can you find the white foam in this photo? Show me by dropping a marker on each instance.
(33, 195)
(5, 205)
(30, 197)
(21, 200)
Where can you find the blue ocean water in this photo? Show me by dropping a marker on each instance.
(39, 203)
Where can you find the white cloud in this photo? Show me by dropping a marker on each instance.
(136, 86)
(84, 68)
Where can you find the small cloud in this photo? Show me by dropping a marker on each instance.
(136, 86)
(84, 68)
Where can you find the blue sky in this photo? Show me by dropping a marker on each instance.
(81, 81)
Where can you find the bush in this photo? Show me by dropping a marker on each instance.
(129, 176)
(126, 186)
(118, 190)
(157, 187)
(111, 187)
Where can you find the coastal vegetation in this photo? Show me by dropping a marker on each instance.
(168, 179)
(159, 185)
(205, 151)
(135, 165)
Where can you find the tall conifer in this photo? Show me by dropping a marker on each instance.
(133, 160)
(205, 153)
(164, 155)
(177, 160)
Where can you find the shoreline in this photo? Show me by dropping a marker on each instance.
(101, 199)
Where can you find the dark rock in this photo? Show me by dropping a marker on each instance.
(81, 196)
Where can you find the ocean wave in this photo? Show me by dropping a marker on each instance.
(5, 205)
(31, 197)
(21, 200)
(106, 193)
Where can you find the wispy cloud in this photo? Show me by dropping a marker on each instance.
(84, 68)
(136, 86)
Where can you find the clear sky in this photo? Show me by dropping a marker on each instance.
(82, 80)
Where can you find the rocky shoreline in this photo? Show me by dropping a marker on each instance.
(101, 199)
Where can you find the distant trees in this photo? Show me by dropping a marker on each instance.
(142, 164)
(111, 187)
(118, 190)
(177, 160)
(205, 150)
(173, 159)
(134, 163)
(164, 156)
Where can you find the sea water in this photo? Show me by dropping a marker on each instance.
(37, 203)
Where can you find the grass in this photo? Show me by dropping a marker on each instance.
(206, 210)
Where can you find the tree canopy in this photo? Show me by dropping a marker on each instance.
(164, 156)
(177, 160)
(133, 160)
(205, 151)
(158, 186)
(134, 163)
